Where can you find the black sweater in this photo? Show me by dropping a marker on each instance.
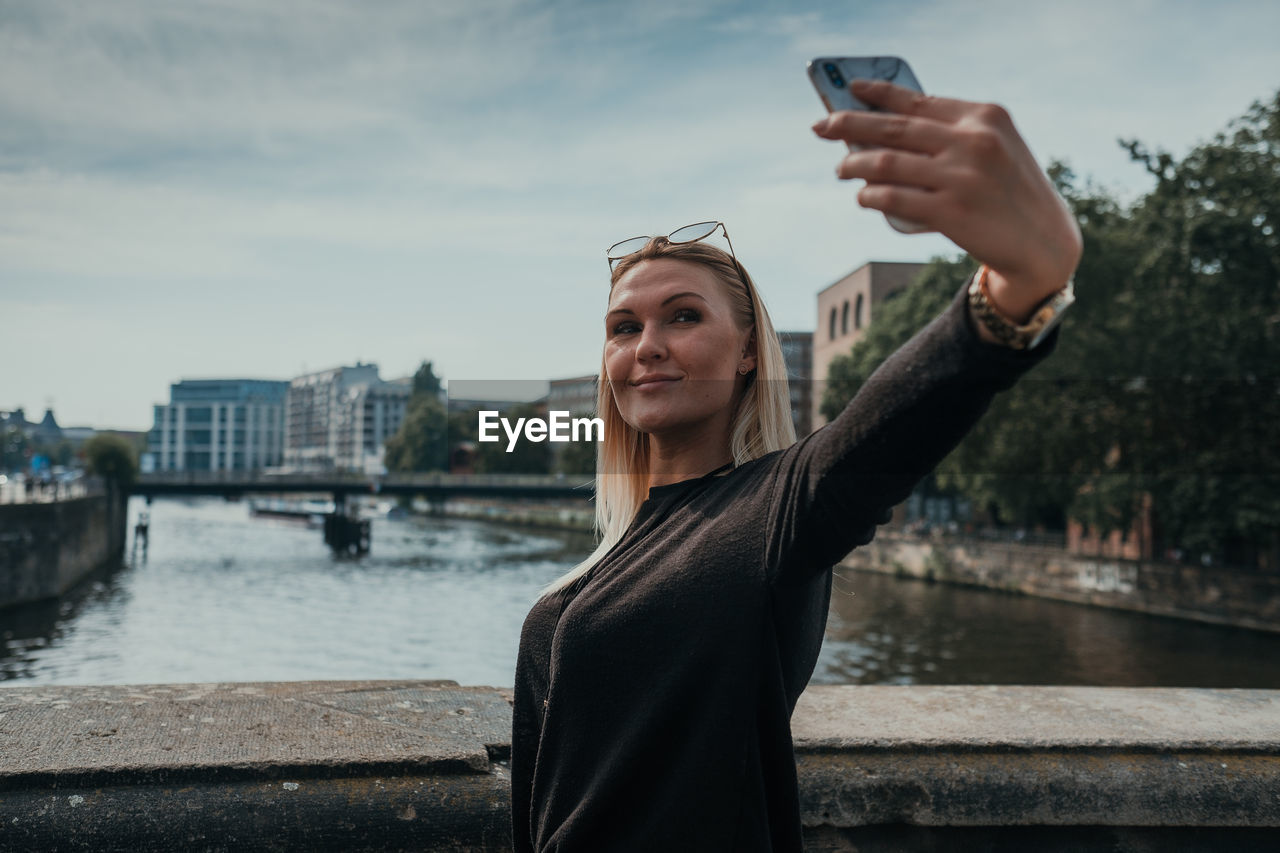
(653, 698)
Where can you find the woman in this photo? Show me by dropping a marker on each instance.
(656, 681)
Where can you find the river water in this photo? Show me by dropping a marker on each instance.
(222, 596)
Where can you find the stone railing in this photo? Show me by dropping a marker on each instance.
(424, 766)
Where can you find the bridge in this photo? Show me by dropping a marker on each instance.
(433, 487)
(342, 532)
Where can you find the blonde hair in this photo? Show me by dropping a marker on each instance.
(761, 423)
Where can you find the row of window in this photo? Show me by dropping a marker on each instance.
(205, 415)
(204, 438)
(843, 315)
(197, 460)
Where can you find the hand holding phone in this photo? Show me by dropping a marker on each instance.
(959, 167)
(831, 76)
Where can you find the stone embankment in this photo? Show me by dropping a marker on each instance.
(48, 547)
(425, 766)
(1225, 596)
(555, 515)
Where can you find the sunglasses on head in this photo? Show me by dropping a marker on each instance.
(688, 234)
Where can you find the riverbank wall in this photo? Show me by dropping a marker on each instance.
(1223, 596)
(554, 515)
(426, 766)
(47, 548)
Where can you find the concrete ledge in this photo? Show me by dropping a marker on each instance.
(423, 765)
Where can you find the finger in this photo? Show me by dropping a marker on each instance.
(896, 99)
(889, 130)
(884, 166)
(914, 204)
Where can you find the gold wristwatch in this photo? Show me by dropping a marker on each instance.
(1009, 333)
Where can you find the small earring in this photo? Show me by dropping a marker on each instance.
(742, 368)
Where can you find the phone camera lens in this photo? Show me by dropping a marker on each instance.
(834, 75)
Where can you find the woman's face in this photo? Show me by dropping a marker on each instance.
(673, 348)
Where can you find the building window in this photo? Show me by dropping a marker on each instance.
(844, 318)
(857, 313)
(832, 331)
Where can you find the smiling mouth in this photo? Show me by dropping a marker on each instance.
(656, 383)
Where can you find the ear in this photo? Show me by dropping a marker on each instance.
(749, 350)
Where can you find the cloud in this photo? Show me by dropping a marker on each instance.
(440, 179)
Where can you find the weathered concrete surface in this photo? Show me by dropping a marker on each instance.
(422, 766)
(1058, 718)
(283, 766)
(181, 732)
(466, 812)
(996, 756)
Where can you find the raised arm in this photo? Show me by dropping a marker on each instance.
(832, 488)
(961, 169)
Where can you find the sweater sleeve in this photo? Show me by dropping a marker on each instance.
(833, 487)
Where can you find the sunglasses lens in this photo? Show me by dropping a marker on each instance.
(692, 233)
(626, 247)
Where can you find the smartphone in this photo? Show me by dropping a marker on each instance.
(831, 76)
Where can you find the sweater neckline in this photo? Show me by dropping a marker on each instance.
(656, 492)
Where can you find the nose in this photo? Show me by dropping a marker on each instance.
(652, 345)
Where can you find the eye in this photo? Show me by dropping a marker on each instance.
(687, 315)
(626, 327)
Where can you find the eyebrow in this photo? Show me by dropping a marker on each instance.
(671, 298)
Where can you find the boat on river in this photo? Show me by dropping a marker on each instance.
(310, 512)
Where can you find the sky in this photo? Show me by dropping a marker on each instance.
(244, 189)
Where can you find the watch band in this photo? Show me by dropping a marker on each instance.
(1009, 333)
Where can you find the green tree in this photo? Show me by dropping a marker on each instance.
(1049, 442)
(1206, 334)
(421, 443)
(527, 457)
(463, 427)
(425, 380)
(577, 457)
(1165, 387)
(112, 457)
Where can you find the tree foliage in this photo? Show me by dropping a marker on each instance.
(112, 457)
(1165, 386)
(577, 457)
(421, 443)
(527, 457)
(425, 381)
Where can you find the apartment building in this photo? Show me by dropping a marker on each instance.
(218, 425)
(340, 419)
